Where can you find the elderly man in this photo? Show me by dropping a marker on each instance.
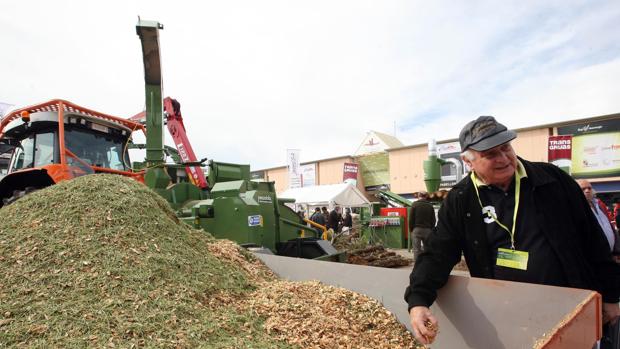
(513, 220)
(602, 217)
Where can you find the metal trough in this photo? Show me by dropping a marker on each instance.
(472, 312)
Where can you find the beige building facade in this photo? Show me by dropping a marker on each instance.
(406, 175)
(328, 171)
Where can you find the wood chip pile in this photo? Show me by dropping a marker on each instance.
(312, 315)
(102, 261)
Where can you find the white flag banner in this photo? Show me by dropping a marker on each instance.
(294, 170)
(308, 175)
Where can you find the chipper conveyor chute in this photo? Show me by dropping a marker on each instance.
(472, 312)
(225, 203)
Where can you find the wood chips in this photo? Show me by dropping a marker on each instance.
(101, 261)
(313, 315)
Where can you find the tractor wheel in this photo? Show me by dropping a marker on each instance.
(18, 194)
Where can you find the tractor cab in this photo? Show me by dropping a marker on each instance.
(45, 151)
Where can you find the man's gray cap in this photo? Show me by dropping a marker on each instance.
(484, 133)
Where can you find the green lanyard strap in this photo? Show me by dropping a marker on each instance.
(493, 217)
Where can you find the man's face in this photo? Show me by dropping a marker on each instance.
(494, 166)
(586, 187)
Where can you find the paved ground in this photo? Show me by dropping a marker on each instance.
(403, 252)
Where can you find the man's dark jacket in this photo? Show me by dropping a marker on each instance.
(334, 219)
(422, 215)
(563, 215)
(347, 221)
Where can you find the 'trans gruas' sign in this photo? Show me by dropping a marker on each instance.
(560, 150)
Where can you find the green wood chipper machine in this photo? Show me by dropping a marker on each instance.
(229, 204)
(59, 140)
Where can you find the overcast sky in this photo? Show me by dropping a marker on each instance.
(257, 77)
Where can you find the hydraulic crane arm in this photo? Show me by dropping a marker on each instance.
(174, 121)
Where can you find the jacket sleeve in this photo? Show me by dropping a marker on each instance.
(432, 268)
(595, 246)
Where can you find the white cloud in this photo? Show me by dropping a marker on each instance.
(586, 92)
(255, 78)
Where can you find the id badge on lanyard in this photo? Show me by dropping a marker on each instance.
(510, 258)
(507, 257)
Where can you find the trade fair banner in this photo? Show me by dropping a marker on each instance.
(375, 171)
(349, 173)
(560, 152)
(308, 175)
(595, 148)
(294, 170)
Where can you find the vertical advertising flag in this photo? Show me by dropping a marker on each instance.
(349, 173)
(560, 150)
(308, 174)
(294, 170)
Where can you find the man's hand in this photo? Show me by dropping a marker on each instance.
(419, 317)
(611, 312)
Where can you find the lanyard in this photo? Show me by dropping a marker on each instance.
(493, 217)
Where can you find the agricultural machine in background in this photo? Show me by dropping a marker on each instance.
(59, 140)
(390, 226)
(389, 223)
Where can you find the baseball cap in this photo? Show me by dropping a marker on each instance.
(484, 133)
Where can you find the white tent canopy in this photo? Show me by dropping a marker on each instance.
(327, 195)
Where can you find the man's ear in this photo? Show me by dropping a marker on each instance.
(466, 161)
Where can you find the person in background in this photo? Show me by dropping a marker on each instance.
(335, 218)
(318, 218)
(513, 220)
(347, 221)
(325, 216)
(421, 222)
(595, 204)
(617, 213)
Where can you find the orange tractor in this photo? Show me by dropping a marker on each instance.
(58, 140)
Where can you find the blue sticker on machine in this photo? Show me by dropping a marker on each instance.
(256, 220)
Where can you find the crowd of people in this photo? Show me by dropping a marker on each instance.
(333, 220)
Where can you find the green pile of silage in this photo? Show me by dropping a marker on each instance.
(101, 261)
